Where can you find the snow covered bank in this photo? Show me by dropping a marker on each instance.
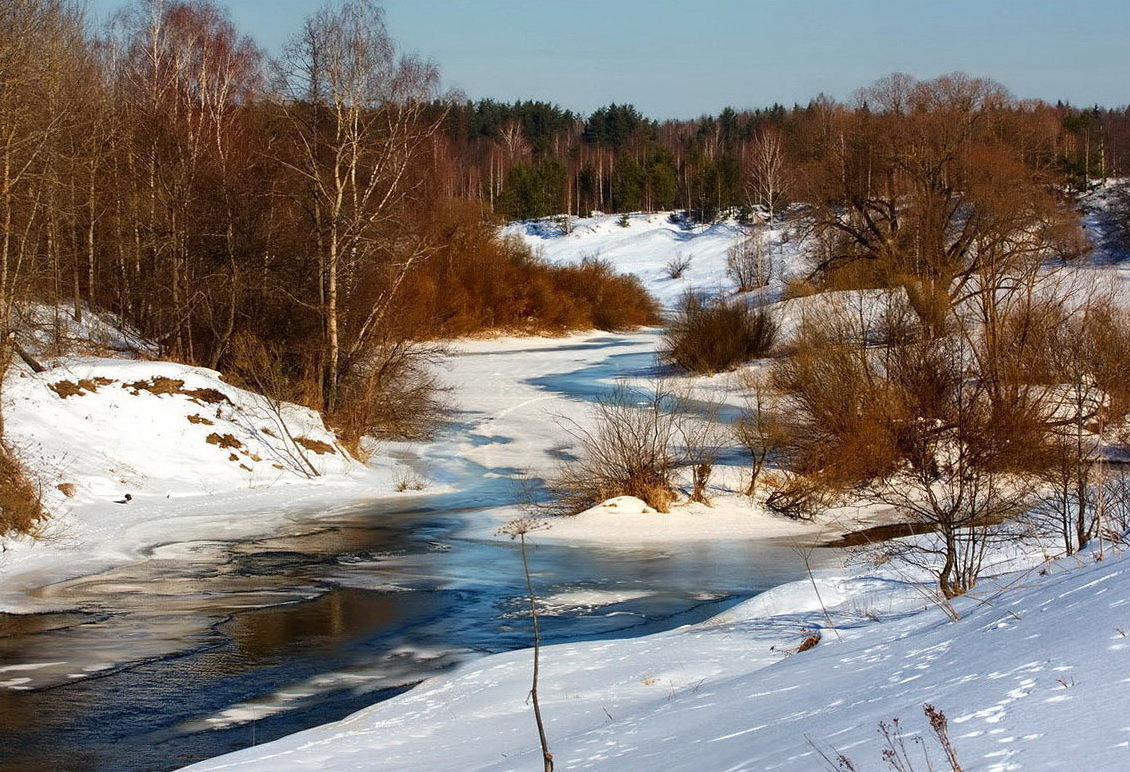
(1028, 679)
(132, 453)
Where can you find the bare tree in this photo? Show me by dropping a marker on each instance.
(357, 110)
(768, 178)
(917, 424)
(921, 187)
(759, 430)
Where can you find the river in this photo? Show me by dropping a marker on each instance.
(209, 646)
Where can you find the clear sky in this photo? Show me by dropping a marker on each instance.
(684, 58)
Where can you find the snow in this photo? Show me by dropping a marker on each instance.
(649, 242)
(626, 520)
(197, 457)
(1025, 667)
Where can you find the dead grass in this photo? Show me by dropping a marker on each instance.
(21, 505)
(78, 388)
(156, 385)
(196, 418)
(208, 396)
(315, 446)
(223, 440)
(160, 384)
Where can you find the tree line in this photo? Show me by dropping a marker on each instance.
(534, 159)
(307, 223)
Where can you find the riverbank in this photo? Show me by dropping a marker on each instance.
(1029, 656)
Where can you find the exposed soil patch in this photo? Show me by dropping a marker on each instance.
(77, 388)
(223, 440)
(209, 396)
(161, 385)
(316, 446)
(156, 385)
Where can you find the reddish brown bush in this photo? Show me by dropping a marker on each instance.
(477, 282)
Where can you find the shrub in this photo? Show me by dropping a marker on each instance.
(609, 300)
(749, 264)
(677, 266)
(478, 282)
(798, 288)
(395, 395)
(21, 506)
(627, 450)
(710, 337)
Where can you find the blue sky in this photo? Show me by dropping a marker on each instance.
(684, 58)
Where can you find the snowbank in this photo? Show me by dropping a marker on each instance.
(628, 521)
(131, 453)
(103, 428)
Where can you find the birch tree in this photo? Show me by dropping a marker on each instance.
(356, 106)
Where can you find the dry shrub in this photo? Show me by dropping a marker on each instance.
(926, 425)
(714, 336)
(677, 266)
(749, 264)
(395, 393)
(798, 497)
(858, 275)
(612, 301)
(799, 288)
(627, 449)
(21, 505)
(477, 282)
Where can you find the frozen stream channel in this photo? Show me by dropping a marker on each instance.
(209, 646)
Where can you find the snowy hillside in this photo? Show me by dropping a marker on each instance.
(108, 427)
(128, 452)
(649, 243)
